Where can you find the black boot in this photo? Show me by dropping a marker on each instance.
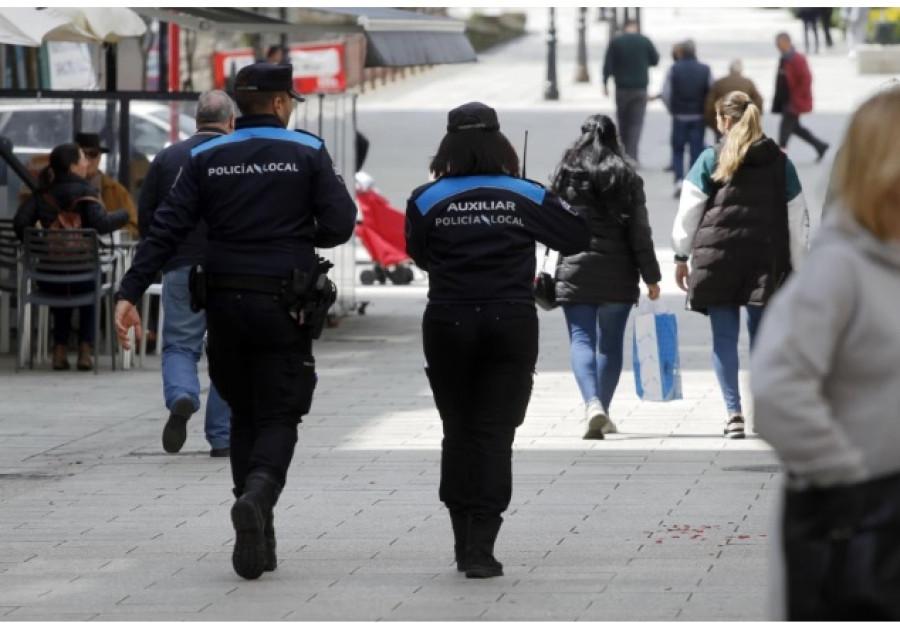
(460, 523)
(249, 516)
(269, 533)
(480, 561)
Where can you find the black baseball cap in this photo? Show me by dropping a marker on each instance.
(473, 116)
(263, 76)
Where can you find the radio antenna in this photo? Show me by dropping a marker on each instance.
(525, 155)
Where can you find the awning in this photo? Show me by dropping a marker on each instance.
(224, 20)
(399, 38)
(394, 37)
(32, 26)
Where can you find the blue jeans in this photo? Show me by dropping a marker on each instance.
(182, 346)
(688, 133)
(596, 336)
(726, 326)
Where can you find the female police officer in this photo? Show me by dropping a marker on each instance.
(474, 231)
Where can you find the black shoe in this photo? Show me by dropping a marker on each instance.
(480, 561)
(460, 524)
(822, 151)
(175, 432)
(734, 428)
(220, 453)
(249, 516)
(271, 544)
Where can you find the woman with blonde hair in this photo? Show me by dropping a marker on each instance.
(826, 384)
(743, 225)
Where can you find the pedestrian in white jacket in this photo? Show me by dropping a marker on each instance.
(825, 372)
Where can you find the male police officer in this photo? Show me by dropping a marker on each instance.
(183, 328)
(268, 196)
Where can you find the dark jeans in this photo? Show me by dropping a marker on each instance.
(261, 361)
(790, 124)
(480, 363)
(690, 134)
(631, 105)
(62, 316)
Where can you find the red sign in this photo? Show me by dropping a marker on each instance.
(318, 67)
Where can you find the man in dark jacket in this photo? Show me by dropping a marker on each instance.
(684, 94)
(793, 96)
(183, 329)
(270, 196)
(628, 60)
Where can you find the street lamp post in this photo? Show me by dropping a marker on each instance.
(581, 73)
(551, 92)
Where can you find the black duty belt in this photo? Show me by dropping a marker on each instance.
(248, 283)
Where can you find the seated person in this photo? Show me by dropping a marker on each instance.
(62, 186)
(114, 195)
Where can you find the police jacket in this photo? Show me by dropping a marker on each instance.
(269, 196)
(475, 236)
(163, 172)
(65, 190)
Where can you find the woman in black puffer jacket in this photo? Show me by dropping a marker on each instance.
(597, 288)
(63, 180)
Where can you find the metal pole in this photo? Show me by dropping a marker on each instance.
(581, 73)
(551, 92)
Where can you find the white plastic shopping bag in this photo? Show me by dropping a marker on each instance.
(657, 369)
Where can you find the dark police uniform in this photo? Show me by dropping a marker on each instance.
(269, 196)
(475, 235)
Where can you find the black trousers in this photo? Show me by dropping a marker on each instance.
(262, 364)
(790, 124)
(480, 363)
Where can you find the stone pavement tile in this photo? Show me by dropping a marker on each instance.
(739, 604)
(321, 608)
(31, 613)
(540, 607)
(611, 605)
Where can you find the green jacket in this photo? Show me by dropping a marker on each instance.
(628, 60)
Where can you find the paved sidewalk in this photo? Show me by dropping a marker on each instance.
(659, 522)
(664, 521)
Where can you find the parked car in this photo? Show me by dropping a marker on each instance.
(36, 127)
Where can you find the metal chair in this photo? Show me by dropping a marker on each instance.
(63, 256)
(9, 280)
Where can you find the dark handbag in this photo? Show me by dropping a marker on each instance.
(842, 551)
(545, 287)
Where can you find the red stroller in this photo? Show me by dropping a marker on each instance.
(381, 232)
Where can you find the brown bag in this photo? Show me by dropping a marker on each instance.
(67, 219)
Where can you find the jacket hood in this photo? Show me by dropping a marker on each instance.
(840, 224)
(762, 153)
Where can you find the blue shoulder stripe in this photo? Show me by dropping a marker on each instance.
(245, 134)
(449, 186)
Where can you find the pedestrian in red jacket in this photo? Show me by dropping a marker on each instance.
(793, 95)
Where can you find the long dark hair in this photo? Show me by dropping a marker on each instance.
(594, 166)
(475, 152)
(61, 159)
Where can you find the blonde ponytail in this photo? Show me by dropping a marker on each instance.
(746, 129)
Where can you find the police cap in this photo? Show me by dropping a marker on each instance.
(263, 76)
(473, 116)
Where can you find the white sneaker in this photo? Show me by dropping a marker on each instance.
(610, 428)
(597, 419)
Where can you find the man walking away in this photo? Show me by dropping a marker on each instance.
(629, 57)
(793, 95)
(183, 329)
(734, 81)
(684, 94)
